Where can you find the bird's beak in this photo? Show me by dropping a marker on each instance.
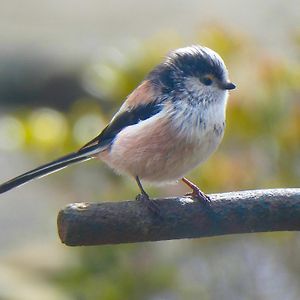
(227, 85)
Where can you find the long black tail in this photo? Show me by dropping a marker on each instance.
(56, 165)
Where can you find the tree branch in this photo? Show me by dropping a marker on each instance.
(228, 213)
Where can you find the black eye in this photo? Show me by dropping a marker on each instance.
(206, 80)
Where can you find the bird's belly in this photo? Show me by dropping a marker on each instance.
(159, 155)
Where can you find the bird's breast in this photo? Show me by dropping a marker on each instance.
(166, 146)
(197, 121)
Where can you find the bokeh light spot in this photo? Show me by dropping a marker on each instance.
(87, 127)
(12, 133)
(49, 127)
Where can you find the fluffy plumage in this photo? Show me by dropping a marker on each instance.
(167, 126)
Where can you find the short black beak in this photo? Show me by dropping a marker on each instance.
(228, 86)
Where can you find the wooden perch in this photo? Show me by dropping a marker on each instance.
(131, 221)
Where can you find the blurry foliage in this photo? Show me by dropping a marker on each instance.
(260, 150)
(106, 273)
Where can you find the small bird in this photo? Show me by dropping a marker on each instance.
(172, 122)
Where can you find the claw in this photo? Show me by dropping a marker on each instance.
(199, 195)
(152, 205)
(143, 197)
(196, 192)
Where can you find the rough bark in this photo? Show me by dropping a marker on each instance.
(131, 221)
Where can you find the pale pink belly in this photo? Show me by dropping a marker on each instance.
(155, 154)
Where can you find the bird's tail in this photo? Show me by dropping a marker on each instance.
(56, 165)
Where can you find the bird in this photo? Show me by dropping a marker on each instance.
(171, 123)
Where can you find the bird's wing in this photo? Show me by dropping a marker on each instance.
(132, 112)
(140, 105)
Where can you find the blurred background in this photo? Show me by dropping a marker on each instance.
(65, 67)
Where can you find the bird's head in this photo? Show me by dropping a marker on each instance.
(196, 69)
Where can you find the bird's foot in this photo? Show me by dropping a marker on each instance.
(196, 192)
(199, 195)
(152, 205)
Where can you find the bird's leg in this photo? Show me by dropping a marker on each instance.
(196, 192)
(144, 197)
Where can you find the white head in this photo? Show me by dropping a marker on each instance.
(197, 70)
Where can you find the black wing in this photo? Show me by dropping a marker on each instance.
(124, 119)
(106, 137)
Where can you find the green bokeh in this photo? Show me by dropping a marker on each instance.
(260, 150)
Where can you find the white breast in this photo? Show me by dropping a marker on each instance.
(167, 146)
(202, 130)
(194, 121)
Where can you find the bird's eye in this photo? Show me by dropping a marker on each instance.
(206, 80)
